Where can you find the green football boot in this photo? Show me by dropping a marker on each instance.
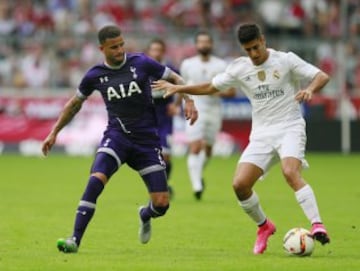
(67, 245)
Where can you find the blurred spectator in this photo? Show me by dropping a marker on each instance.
(356, 87)
(334, 23)
(296, 16)
(35, 67)
(224, 16)
(316, 16)
(326, 61)
(24, 15)
(67, 27)
(7, 23)
(354, 25)
(272, 20)
(6, 64)
(174, 11)
(350, 66)
(120, 12)
(148, 17)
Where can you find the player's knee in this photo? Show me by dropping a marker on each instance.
(195, 147)
(241, 189)
(239, 185)
(160, 199)
(290, 174)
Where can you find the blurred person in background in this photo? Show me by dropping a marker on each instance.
(201, 136)
(35, 66)
(166, 108)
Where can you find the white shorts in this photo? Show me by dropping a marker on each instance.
(267, 149)
(207, 126)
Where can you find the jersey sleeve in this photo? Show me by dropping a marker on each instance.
(85, 88)
(173, 68)
(301, 69)
(224, 80)
(155, 69)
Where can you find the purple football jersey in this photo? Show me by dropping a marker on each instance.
(126, 92)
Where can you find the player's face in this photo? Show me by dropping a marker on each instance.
(113, 50)
(204, 45)
(156, 51)
(256, 50)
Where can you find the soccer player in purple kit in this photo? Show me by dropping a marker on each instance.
(131, 135)
(165, 108)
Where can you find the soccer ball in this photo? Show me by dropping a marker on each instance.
(299, 242)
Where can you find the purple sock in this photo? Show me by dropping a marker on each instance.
(86, 207)
(152, 211)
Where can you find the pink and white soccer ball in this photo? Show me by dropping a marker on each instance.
(298, 242)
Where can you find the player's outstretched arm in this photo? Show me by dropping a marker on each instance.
(70, 110)
(319, 81)
(170, 89)
(229, 93)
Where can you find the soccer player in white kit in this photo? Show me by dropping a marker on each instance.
(201, 136)
(271, 81)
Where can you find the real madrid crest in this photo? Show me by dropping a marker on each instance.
(276, 74)
(261, 75)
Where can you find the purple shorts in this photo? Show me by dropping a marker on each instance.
(141, 154)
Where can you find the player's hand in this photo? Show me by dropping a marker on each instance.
(170, 89)
(190, 111)
(48, 143)
(304, 95)
(172, 109)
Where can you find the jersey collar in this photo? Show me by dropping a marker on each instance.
(116, 67)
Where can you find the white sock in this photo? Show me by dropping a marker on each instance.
(252, 207)
(306, 198)
(195, 163)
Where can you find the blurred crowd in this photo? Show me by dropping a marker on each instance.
(49, 44)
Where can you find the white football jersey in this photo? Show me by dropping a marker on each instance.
(270, 87)
(196, 71)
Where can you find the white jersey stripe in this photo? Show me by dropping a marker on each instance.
(110, 152)
(151, 169)
(87, 204)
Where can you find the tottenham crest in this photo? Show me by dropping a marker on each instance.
(133, 70)
(261, 75)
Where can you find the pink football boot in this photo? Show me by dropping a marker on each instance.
(263, 234)
(319, 233)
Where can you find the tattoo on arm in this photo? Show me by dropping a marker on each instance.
(71, 108)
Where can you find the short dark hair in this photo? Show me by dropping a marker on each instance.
(157, 41)
(203, 33)
(108, 32)
(248, 32)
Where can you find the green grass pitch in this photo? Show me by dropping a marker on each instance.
(38, 198)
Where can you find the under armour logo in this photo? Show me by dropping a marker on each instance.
(103, 79)
(133, 70)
